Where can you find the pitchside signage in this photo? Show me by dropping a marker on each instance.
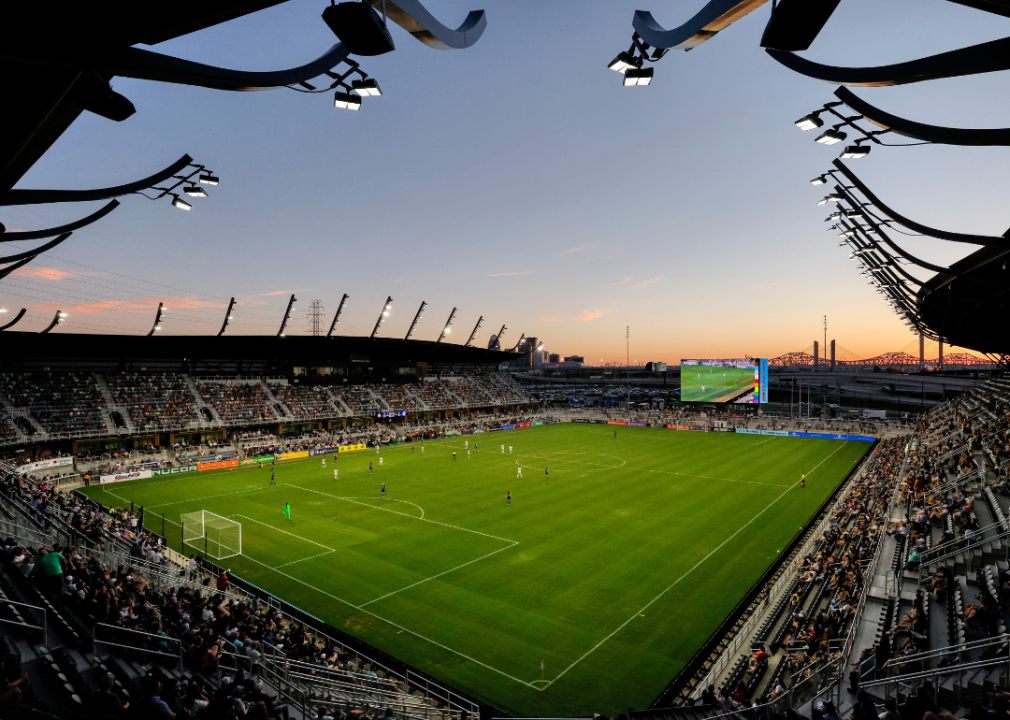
(123, 477)
(46, 464)
(174, 470)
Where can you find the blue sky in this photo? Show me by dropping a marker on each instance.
(520, 181)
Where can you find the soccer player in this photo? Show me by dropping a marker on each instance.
(411, 449)
(466, 444)
(422, 448)
(287, 511)
(503, 449)
(803, 480)
(324, 462)
(510, 449)
(335, 471)
(468, 453)
(615, 433)
(369, 468)
(519, 471)
(545, 473)
(508, 498)
(475, 446)
(453, 454)
(273, 481)
(703, 388)
(383, 489)
(380, 461)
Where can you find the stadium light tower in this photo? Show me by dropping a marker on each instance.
(416, 318)
(15, 321)
(446, 330)
(336, 318)
(521, 338)
(287, 315)
(227, 318)
(480, 321)
(501, 333)
(157, 319)
(58, 319)
(384, 313)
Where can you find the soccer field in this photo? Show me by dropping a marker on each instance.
(613, 571)
(717, 387)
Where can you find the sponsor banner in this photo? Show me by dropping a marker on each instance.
(46, 464)
(218, 465)
(257, 459)
(174, 470)
(508, 427)
(630, 424)
(523, 425)
(748, 431)
(616, 422)
(536, 423)
(453, 433)
(581, 420)
(678, 427)
(829, 436)
(324, 451)
(293, 455)
(722, 429)
(352, 448)
(123, 477)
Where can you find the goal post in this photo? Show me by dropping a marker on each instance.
(217, 536)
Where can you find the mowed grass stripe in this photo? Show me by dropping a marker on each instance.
(595, 544)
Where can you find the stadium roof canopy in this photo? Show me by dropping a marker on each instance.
(966, 306)
(242, 355)
(50, 52)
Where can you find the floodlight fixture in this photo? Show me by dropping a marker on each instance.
(209, 179)
(287, 315)
(414, 323)
(809, 122)
(227, 318)
(336, 318)
(480, 321)
(831, 136)
(195, 191)
(384, 313)
(847, 233)
(58, 319)
(623, 62)
(157, 319)
(834, 197)
(346, 101)
(819, 180)
(638, 76)
(446, 330)
(180, 203)
(366, 88)
(854, 152)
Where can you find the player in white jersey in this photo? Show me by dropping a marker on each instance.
(502, 449)
(466, 444)
(519, 471)
(324, 461)
(335, 471)
(510, 449)
(380, 461)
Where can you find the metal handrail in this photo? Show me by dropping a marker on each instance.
(43, 627)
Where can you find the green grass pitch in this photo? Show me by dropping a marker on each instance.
(613, 571)
(717, 388)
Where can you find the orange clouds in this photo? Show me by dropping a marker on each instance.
(42, 272)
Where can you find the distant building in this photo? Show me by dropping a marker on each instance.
(656, 367)
(493, 343)
(575, 359)
(554, 358)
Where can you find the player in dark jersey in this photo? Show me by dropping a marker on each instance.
(383, 489)
(508, 498)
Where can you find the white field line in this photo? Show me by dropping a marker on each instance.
(413, 517)
(421, 582)
(407, 502)
(311, 557)
(664, 472)
(696, 565)
(208, 497)
(272, 527)
(399, 627)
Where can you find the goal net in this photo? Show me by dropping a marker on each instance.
(218, 537)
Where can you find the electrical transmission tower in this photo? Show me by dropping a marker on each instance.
(317, 323)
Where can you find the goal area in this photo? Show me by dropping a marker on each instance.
(215, 536)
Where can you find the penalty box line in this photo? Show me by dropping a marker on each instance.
(691, 570)
(361, 608)
(393, 624)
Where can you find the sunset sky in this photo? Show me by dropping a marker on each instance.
(520, 181)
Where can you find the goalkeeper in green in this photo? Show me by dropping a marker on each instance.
(287, 511)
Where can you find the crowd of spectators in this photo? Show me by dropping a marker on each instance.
(238, 401)
(154, 401)
(306, 401)
(60, 402)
